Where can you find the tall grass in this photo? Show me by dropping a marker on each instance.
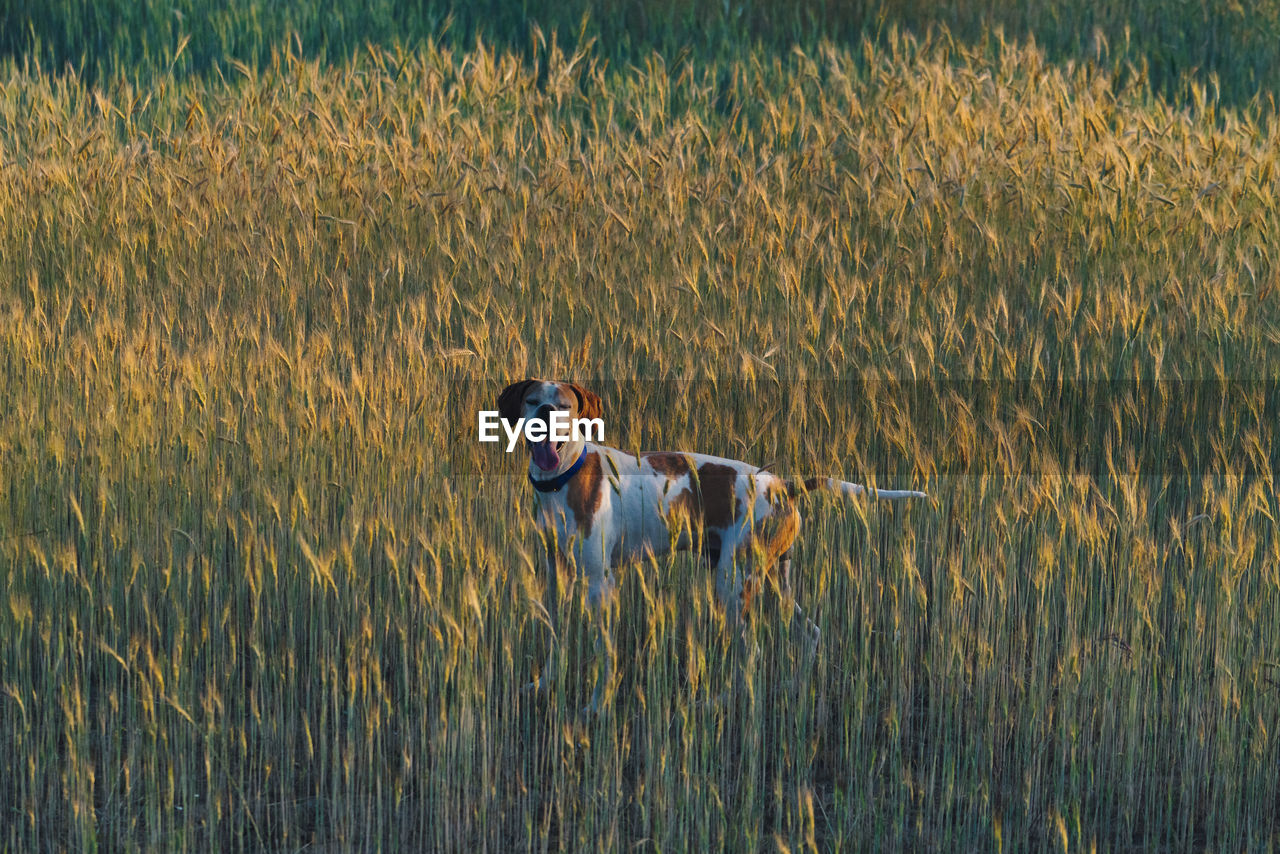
(261, 588)
(1229, 46)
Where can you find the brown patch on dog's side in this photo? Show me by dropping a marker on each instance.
(669, 464)
(684, 505)
(771, 537)
(684, 518)
(685, 513)
(718, 484)
(584, 493)
(749, 588)
(711, 542)
(766, 545)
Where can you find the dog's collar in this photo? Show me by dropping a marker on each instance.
(556, 483)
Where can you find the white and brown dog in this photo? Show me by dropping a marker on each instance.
(600, 507)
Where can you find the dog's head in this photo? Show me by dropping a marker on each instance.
(535, 400)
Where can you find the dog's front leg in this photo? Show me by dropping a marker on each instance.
(551, 600)
(600, 600)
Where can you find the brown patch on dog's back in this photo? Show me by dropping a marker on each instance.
(669, 464)
(718, 485)
(584, 493)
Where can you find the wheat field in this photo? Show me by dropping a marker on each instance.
(263, 590)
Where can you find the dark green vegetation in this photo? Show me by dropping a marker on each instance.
(1234, 47)
(259, 588)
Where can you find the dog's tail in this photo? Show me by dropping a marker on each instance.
(799, 488)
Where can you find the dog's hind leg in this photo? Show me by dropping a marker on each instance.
(735, 588)
(799, 621)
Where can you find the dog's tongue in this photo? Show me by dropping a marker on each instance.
(545, 455)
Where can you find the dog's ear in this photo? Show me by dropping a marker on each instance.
(588, 402)
(511, 399)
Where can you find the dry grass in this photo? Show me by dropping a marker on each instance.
(263, 590)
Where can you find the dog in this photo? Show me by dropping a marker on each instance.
(600, 508)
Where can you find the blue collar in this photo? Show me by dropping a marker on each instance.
(557, 482)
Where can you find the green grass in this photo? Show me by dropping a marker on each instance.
(263, 590)
(1231, 47)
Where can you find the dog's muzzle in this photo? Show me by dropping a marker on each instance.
(544, 453)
